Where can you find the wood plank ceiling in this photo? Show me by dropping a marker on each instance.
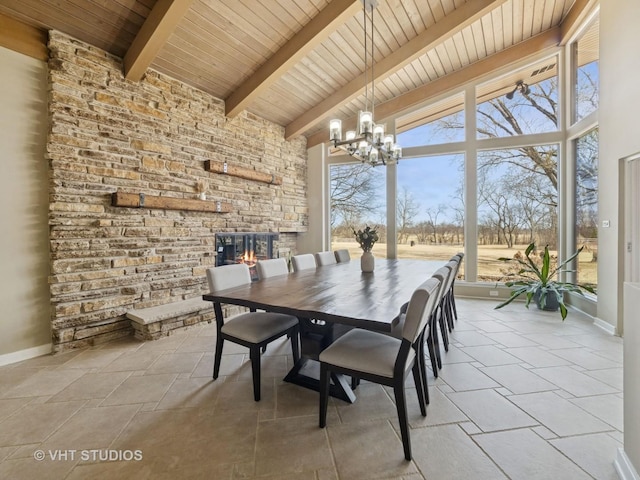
(299, 62)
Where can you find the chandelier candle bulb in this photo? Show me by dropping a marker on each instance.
(350, 135)
(378, 134)
(388, 142)
(366, 122)
(335, 127)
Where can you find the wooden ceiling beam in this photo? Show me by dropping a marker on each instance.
(308, 38)
(576, 16)
(153, 34)
(22, 38)
(418, 96)
(434, 35)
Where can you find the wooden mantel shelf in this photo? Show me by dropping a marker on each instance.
(246, 173)
(141, 200)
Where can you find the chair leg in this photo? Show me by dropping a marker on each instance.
(443, 322)
(295, 343)
(254, 354)
(417, 379)
(218, 356)
(423, 368)
(324, 394)
(453, 304)
(401, 405)
(432, 356)
(436, 343)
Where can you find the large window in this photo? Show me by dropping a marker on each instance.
(586, 153)
(358, 198)
(586, 68)
(508, 193)
(430, 207)
(517, 204)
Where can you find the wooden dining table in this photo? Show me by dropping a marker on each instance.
(333, 298)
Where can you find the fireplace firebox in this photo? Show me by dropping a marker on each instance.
(245, 247)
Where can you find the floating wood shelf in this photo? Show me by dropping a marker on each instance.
(246, 173)
(140, 200)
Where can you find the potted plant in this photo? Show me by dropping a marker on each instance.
(538, 282)
(366, 239)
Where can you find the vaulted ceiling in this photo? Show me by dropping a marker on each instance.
(299, 62)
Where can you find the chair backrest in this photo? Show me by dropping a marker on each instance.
(442, 274)
(342, 255)
(453, 265)
(325, 258)
(272, 267)
(303, 262)
(420, 308)
(228, 276)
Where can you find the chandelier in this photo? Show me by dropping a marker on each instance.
(369, 143)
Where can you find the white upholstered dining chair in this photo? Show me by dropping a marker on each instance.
(253, 330)
(272, 267)
(303, 261)
(342, 255)
(382, 358)
(325, 258)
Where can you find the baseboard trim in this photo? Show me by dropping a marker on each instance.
(624, 467)
(606, 326)
(25, 354)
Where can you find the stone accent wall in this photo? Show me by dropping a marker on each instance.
(153, 137)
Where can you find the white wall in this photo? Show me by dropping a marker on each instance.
(25, 328)
(619, 138)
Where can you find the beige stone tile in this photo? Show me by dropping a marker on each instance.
(34, 423)
(518, 379)
(30, 469)
(594, 453)
(470, 338)
(372, 403)
(463, 376)
(536, 357)
(52, 359)
(574, 382)
(91, 428)
(439, 411)
(174, 363)
(608, 408)
(164, 344)
(45, 382)
(10, 405)
(610, 376)
(523, 454)
(132, 361)
(191, 393)
(142, 389)
(173, 437)
(370, 449)
(93, 358)
(489, 326)
(112, 470)
(235, 396)
(204, 367)
(6, 452)
(271, 366)
(510, 339)
(489, 355)
(551, 340)
(454, 355)
(558, 414)
(446, 452)
(491, 411)
(199, 344)
(291, 446)
(586, 359)
(91, 385)
(295, 401)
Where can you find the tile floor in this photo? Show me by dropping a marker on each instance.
(521, 395)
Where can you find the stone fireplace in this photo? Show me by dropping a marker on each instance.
(245, 247)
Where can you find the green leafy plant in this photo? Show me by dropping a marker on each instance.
(538, 281)
(366, 238)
